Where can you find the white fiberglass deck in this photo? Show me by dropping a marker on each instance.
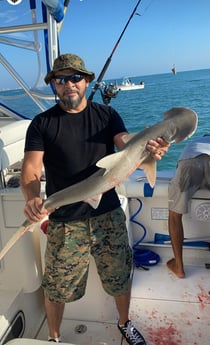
(167, 310)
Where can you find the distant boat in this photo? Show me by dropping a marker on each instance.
(174, 69)
(128, 85)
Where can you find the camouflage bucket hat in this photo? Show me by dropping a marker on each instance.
(67, 61)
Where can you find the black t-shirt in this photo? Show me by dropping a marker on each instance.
(72, 144)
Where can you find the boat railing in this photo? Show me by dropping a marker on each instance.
(49, 48)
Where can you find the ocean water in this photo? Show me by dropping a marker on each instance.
(162, 92)
(144, 107)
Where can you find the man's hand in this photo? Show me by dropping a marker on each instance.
(157, 148)
(33, 210)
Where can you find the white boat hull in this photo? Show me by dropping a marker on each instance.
(131, 87)
(128, 85)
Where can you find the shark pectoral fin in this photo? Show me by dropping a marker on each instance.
(149, 167)
(109, 161)
(94, 201)
(127, 137)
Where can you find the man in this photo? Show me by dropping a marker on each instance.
(193, 173)
(69, 139)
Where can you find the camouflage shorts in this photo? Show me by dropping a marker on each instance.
(69, 246)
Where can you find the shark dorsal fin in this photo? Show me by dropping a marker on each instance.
(109, 161)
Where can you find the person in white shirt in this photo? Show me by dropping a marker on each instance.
(193, 173)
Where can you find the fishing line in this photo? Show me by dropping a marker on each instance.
(146, 9)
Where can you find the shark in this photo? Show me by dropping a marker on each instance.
(179, 123)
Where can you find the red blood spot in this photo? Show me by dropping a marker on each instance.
(165, 335)
(44, 226)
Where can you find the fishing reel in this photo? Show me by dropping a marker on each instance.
(108, 91)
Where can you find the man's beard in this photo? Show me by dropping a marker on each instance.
(70, 103)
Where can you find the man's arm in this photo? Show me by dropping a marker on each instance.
(31, 185)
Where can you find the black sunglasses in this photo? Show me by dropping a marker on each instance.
(73, 78)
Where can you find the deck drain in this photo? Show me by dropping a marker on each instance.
(80, 329)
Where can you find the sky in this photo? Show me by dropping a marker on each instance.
(161, 33)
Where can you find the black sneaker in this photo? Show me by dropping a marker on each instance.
(131, 334)
(54, 340)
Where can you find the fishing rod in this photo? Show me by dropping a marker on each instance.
(108, 61)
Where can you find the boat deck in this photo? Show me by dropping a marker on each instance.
(167, 310)
(164, 309)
